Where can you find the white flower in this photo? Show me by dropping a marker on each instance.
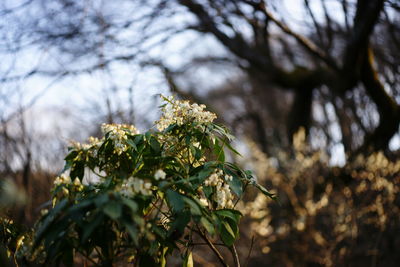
(79, 146)
(134, 186)
(160, 174)
(77, 182)
(180, 112)
(223, 195)
(118, 134)
(65, 191)
(228, 177)
(43, 212)
(93, 177)
(204, 202)
(62, 179)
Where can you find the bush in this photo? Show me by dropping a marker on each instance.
(137, 198)
(326, 216)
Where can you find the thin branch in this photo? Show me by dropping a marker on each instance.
(235, 255)
(306, 43)
(316, 25)
(213, 248)
(248, 255)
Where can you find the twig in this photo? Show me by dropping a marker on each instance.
(306, 43)
(213, 248)
(235, 255)
(248, 255)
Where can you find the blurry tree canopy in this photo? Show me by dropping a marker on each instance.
(332, 70)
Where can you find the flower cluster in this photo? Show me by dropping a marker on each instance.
(118, 134)
(65, 179)
(62, 179)
(181, 112)
(80, 146)
(134, 186)
(160, 174)
(223, 195)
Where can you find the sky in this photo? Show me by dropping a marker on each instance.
(68, 104)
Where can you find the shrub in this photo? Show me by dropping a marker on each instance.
(136, 198)
(327, 216)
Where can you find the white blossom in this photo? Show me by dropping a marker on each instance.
(93, 177)
(181, 111)
(62, 179)
(204, 201)
(160, 174)
(118, 134)
(134, 186)
(77, 182)
(223, 195)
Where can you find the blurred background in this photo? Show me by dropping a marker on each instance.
(311, 89)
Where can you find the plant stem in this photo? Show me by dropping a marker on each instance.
(213, 248)
(235, 255)
(248, 255)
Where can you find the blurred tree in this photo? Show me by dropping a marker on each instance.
(334, 60)
(333, 72)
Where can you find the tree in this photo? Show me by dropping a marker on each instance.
(334, 58)
(341, 61)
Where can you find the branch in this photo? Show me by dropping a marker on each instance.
(213, 248)
(367, 15)
(306, 43)
(235, 255)
(248, 255)
(389, 110)
(236, 44)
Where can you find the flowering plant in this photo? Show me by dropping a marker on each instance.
(132, 197)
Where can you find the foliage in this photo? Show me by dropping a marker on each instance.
(328, 216)
(132, 197)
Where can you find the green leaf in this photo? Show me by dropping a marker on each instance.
(227, 234)
(235, 215)
(170, 128)
(207, 225)
(204, 174)
(132, 231)
(92, 225)
(81, 205)
(187, 140)
(208, 191)
(193, 205)
(132, 144)
(155, 145)
(178, 225)
(130, 203)
(223, 132)
(71, 156)
(263, 190)
(147, 135)
(175, 200)
(163, 260)
(101, 200)
(198, 153)
(49, 219)
(113, 209)
(226, 142)
(219, 151)
(188, 261)
(236, 185)
(138, 139)
(78, 170)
